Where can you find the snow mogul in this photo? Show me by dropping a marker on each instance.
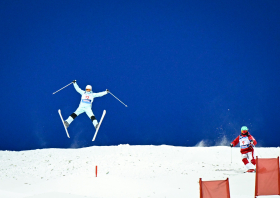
(85, 104)
(247, 143)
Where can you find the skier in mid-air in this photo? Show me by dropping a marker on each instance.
(85, 104)
(247, 143)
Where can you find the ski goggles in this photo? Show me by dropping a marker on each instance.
(244, 131)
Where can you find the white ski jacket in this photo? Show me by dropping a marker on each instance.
(87, 97)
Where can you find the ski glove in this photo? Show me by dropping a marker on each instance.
(231, 145)
(107, 90)
(252, 143)
(74, 81)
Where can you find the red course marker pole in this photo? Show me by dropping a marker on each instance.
(95, 171)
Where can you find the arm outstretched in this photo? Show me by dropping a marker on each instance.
(78, 89)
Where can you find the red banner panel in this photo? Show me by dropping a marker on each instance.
(214, 189)
(267, 176)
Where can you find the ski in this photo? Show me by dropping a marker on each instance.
(63, 123)
(99, 124)
(251, 171)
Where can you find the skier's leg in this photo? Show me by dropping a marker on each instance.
(94, 121)
(252, 157)
(74, 115)
(92, 117)
(245, 160)
(71, 118)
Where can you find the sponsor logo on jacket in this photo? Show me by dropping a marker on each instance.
(87, 101)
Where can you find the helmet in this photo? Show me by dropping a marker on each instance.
(244, 130)
(89, 87)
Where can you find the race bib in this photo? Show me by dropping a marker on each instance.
(244, 142)
(87, 98)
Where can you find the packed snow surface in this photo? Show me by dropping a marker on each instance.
(124, 171)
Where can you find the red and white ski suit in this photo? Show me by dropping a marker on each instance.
(247, 143)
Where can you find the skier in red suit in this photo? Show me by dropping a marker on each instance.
(247, 143)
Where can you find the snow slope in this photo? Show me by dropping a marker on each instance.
(124, 172)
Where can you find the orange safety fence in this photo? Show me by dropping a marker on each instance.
(267, 176)
(214, 189)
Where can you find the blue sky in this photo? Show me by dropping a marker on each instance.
(188, 71)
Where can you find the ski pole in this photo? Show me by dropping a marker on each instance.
(231, 155)
(118, 99)
(62, 88)
(256, 153)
